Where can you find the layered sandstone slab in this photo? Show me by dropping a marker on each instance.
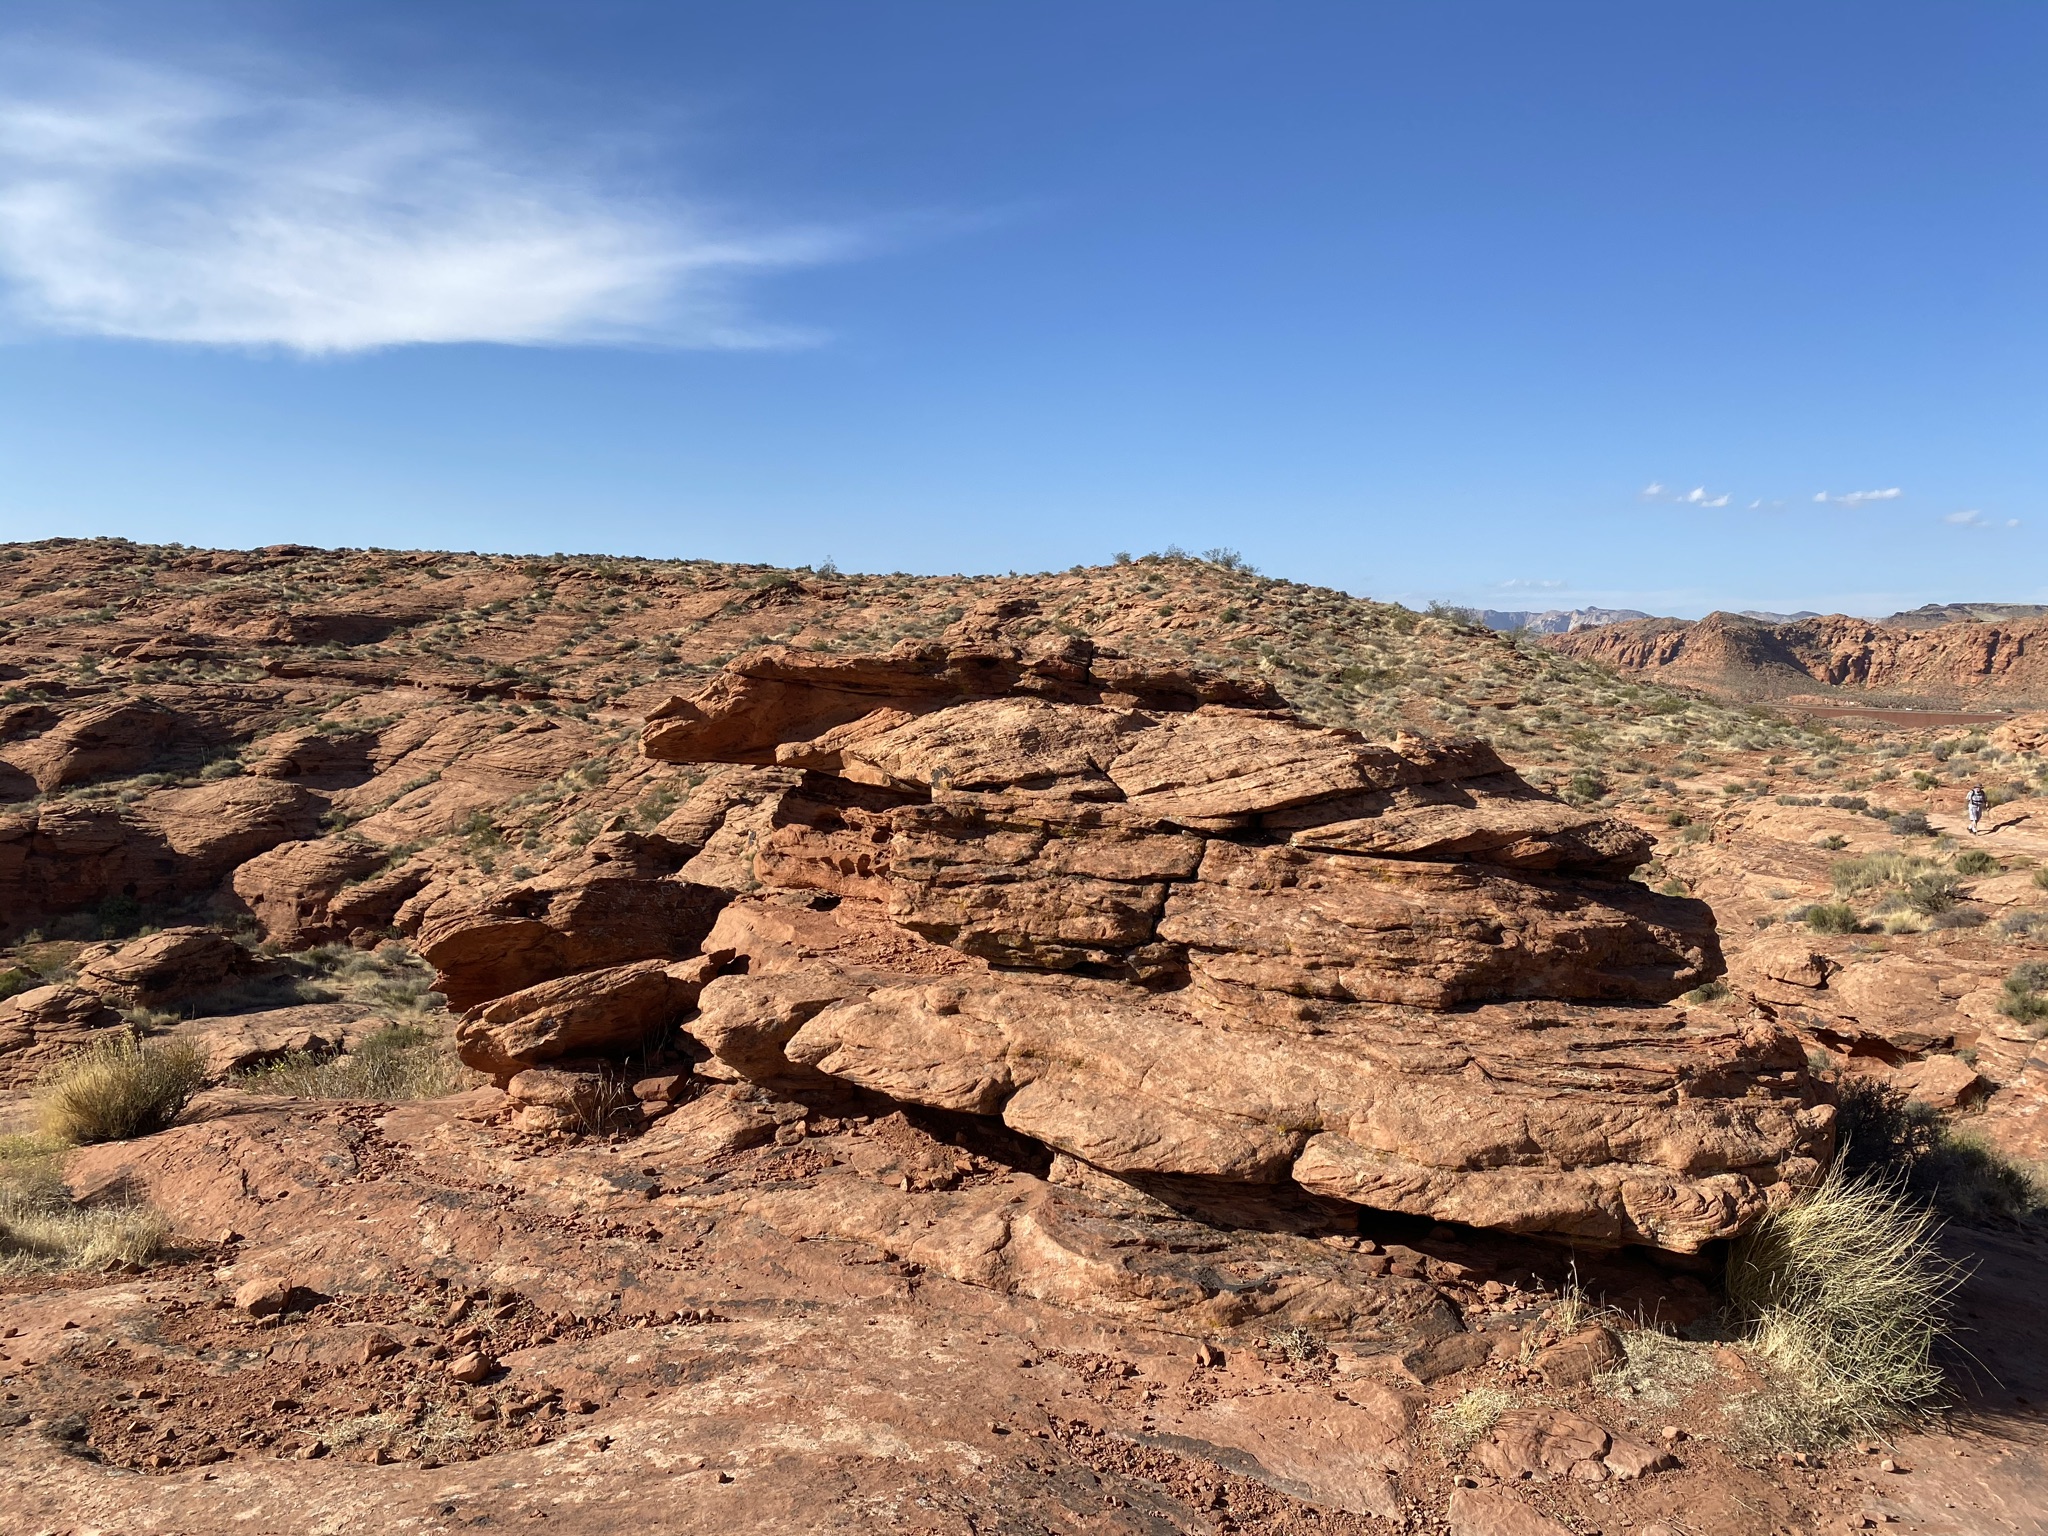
(621, 902)
(1502, 1118)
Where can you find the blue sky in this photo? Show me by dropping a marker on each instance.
(1414, 300)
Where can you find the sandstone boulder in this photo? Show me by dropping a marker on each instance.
(291, 888)
(620, 903)
(41, 1026)
(66, 856)
(615, 1009)
(1195, 941)
(242, 1042)
(165, 966)
(105, 740)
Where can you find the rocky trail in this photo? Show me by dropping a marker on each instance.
(1143, 1049)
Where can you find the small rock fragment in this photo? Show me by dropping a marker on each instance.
(471, 1367)
(261, 1297)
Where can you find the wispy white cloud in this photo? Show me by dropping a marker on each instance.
(1858, 498)
(1972, 518)
(1532, 584)
(1656, 490)
(146, 203)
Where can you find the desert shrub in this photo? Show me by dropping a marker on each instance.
(2016, 925)
(1931, 893)
(118, 1088)
(1585, 784)
(2021, 997)
(1830, 917)
(1873, 870)
(403, 1061)
(15, 980)
(1834, 842)
(1910, 824)
(1844, 1295)
(1960, 917)
(1712, 992)
(1886, 1136)
(42, 1228)
(2004, 794)
(1973, 861)
(1847, 803)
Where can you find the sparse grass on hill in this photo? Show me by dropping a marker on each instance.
(118, 1088)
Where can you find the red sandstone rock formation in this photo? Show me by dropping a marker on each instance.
(1169, 938)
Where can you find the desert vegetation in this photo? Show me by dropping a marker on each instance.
(117, 1088)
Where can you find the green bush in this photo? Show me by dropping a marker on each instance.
(117, 1088)
(1886, 1136)
(1931, 893)
(403, 1061)
(16, 980)
(1974, 861)
(1830, 917)
(2021, 999)
(1910, 824)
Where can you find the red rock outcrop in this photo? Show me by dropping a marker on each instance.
(163, 966)
(1174, 938)
(621, 901)
(65, 855)
(41, 1026)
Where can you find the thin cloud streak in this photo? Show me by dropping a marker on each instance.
(1858, 498)
(149, 204)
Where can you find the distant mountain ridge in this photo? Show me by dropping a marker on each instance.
(1991, 653)
(1556, 621)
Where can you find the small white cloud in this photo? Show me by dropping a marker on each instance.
(1654, 488)
(1858, 498)
(1972, 518)
(146, 203)
(1531, 584)
(1755, 504)
(1718, 501)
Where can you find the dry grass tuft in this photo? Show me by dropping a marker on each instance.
(1845, 1295)
(403, 1061)
(1660, 1370)
(42, 1229)
(1462, 1421)
(118, 1088)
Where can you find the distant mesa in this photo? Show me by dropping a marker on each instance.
(1941, 655)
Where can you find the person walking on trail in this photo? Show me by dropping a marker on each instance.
(1977, 802)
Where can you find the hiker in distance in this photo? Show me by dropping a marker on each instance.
(1976, 803)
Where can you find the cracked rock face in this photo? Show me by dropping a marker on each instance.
(1171, 933)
